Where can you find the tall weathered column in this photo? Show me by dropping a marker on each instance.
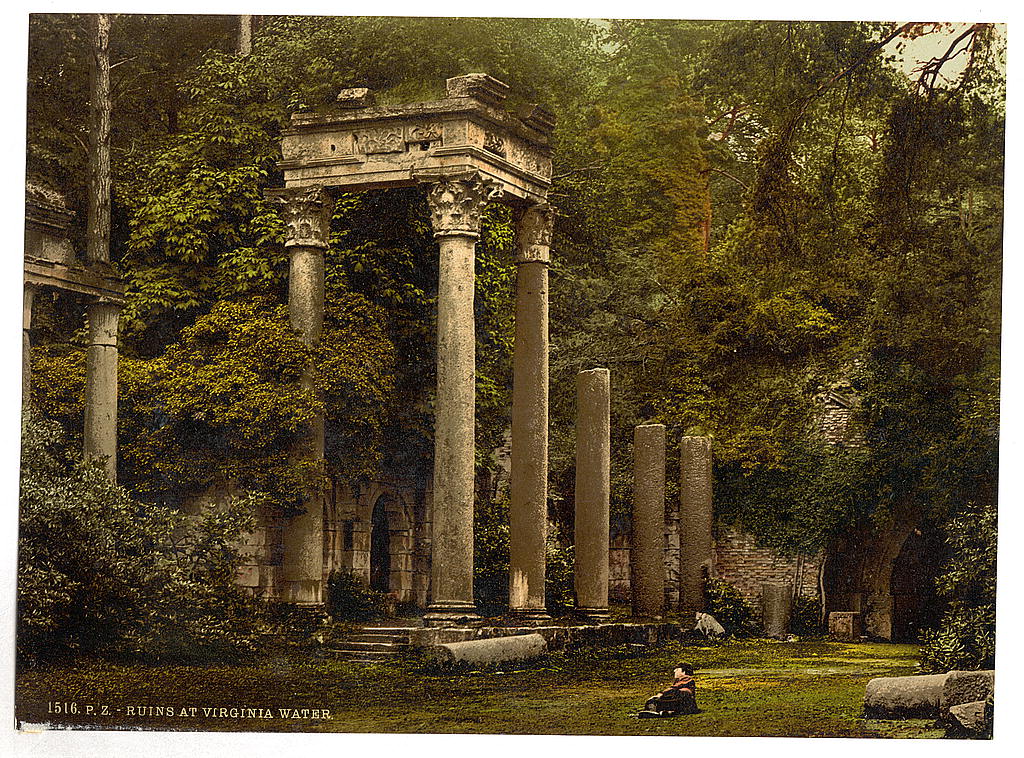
(456, 204)
(528, 514)
(593, 491)
(307, 214)
(647, 561)
(695, 521)
(26, 345)
(101, 384)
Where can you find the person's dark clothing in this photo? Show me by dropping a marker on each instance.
(680, 698)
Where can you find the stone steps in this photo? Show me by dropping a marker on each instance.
(372, 644)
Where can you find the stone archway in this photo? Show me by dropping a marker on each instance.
(391, 547)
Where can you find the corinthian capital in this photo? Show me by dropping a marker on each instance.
(534, 233)
(307, 213)
(457, 203)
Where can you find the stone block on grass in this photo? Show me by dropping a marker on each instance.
(492, 651)
(894, 697)
(965, 687)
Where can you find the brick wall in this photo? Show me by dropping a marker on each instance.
(746, 566)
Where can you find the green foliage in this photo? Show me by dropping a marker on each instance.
(559, 577)
(491, 535)
(349, 599)
(966, 636)
(726, 604)
(965, 640)
(225, 403)
(806, 617)
(101, 573)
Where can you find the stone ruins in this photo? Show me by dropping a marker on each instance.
(465, 150)
(53, 269)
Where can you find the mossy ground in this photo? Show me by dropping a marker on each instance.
(745, 688)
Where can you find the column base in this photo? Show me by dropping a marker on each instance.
(302, 592)
(597, 615)
(529, 616)
(450, 614)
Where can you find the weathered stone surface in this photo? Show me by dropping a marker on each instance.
(479, 86)
(970, 719)
(708, 625)
(695, 521)
(100, 432)
(593, 490)
(648, 581)
(529, 453)
(558, 637)
(965, 687)
(844, 626)
(492, 651)
(455, 209)
(28, 298)
(356, 97)
(776, 609)
(307, 214)
(890, 697)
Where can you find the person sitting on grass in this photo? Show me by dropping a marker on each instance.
(680, 698)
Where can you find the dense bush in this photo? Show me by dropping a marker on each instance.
(806, 618)
(966, 637)
(101, 573)
(726, 604)
(348, 599)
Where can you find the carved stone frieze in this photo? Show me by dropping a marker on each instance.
(494, 144)
(307, 214)
(457, 202)
(534, 233)
(427, 132)
(385, 139)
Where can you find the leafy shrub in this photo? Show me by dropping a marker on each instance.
(806, 619)
(726, 604)
(348, 599)
(965, 640)
(101, 573)
(491, 535)
(559, 581)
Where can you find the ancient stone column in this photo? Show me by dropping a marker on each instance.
(26, 345)
(593, 491)
(647, 561)
(528, 515)
(456, 204)
(776, 609)
(694, 522)
(307, 215)
(101, 384)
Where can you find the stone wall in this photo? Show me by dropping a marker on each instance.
(743, 564)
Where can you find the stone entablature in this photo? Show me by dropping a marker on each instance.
(372, 147)
(50, 260)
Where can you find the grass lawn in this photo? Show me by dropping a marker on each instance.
(745, 688)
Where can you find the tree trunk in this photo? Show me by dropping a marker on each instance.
(245, 34)
(98, 211)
